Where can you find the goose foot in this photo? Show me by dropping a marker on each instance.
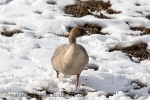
(77, 82)
(57, 74)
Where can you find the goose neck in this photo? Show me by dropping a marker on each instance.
(72, 40)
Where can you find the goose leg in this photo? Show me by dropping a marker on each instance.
(77, 82)
(57, 74)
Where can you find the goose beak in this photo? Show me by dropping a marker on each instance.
(86, 34)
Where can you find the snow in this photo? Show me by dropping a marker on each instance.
(25, 58)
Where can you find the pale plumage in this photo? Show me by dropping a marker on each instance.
(72, 58)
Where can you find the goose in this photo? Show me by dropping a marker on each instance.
(72, 58)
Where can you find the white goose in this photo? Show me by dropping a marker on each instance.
(72, 58)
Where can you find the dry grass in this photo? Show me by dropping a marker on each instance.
(37, 97)
(8, 23)
(92, 28)
(148, 16)
(137, 28)
(82, 94)
(139, 83)
(10, 33)
(81, 8)
(51, 2)
(136, 50)
(38, 12)
(144, 30)
(111, 11)
(137, 4)
(109, 94)
(92, 66)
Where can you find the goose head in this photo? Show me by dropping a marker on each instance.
(77, 32)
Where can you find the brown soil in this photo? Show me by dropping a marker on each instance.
(83, 94)
(139, 83)
(81, 8)
(38, 97)
(38, 12)
(51, 2)
(111, 11)
(136, 50)
(8, 23)
(109, 94)
(92, 66)
(148, 16)
(144, 30)
(137, 4)
(3, 98)
(7, 33)
(93, 29)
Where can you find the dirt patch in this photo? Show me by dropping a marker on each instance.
(8, 23)
(38, 97)
(3, 98)
(83, 8)
(144, 30)
(80, 94)
(92, 66)
(38, 12)
(10, 33)
(138, 85)
(109, 94)
(148, 16)
(137, 28)
(111, 11)
(137, 4)
(92, 28)
(136, 50)
(139, 12)
(51, 2)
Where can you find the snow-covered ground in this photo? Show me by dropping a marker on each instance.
(25, 58)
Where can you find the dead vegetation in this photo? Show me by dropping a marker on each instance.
(38, 12)
(138, 50)
(52, 2)
(136, 85)
(81, 8)
(8, 23)
(139, 84)
(10, 33)
(37, 97)
(137, 4)
(109, 94)
(92, 66)
(80, 94)
(148, 16)
(144, 30)
(92, 28)
(111, 11)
